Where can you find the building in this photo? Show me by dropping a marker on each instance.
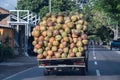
(21, 25)
(4, 15)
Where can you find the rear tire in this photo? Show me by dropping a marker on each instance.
(83, 71)
(46, 72)
(1, 57)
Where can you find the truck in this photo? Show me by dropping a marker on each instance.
(79, 64)
(61, 43)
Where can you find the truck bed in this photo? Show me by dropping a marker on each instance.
(60, 61)
(52, 59)
(64, 64)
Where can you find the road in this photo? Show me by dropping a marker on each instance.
(103, 65)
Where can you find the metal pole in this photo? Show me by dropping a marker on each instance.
(49, 6)
(26, 34)
(26, 40)
(18, 16)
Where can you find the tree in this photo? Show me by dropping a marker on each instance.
(110, 7)
(41, 7)
(98, 21)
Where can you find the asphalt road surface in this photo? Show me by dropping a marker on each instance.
(103, 65)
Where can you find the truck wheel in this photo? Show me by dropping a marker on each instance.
(86, 64)
(46, 72)
(83, 71)
(1, 57)
(86, 67)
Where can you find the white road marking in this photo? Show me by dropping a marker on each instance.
(94, 57)
(95, 62)
(98, 72)
(93, 51)
(117, 52)
(18, 73)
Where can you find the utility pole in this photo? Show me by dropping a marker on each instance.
(49, 6)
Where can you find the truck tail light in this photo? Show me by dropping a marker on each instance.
(43, 64)
(77, 63)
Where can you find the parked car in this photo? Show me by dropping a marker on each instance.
(115, 44)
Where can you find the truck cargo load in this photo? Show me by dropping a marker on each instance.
(60, 41)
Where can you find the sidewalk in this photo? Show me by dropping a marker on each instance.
(16, 65)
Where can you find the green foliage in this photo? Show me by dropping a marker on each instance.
(7, 40)
(98, 20)
(6, 52)
(94, 37)
(104, 33)
(110, 7)
(41, 7)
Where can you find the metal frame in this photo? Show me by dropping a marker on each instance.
(26, 19)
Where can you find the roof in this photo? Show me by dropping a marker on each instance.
(4, 9)
(5, 27)
(2, 16)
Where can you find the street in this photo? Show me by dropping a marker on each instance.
(59, 40)
(103, 65)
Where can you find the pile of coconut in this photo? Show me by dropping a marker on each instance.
(60, 36)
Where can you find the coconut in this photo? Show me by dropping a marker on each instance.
(72, 45)
(84, 36)
(34, 43)
(39, 56)
(66, 50)
(58, 26)
(60, 50)
(43, 28)
(78, 54)
(60, 19)
(64, 34)
(79, 27)
(50, 53)
(48, 57)
(36, 33)
(79, 44)
(49, 33)
(39, 51)
(74, 50)
(70, 25)
(46, 38)
(80, 49)
(54, 48)
(58, 37)
(64, 55)
(37, 46)
(57, 55)
(67, 30)
(85, 42)
(55, 43)
(55, 32)
(74, 18)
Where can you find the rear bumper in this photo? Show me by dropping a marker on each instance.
(64, 66)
